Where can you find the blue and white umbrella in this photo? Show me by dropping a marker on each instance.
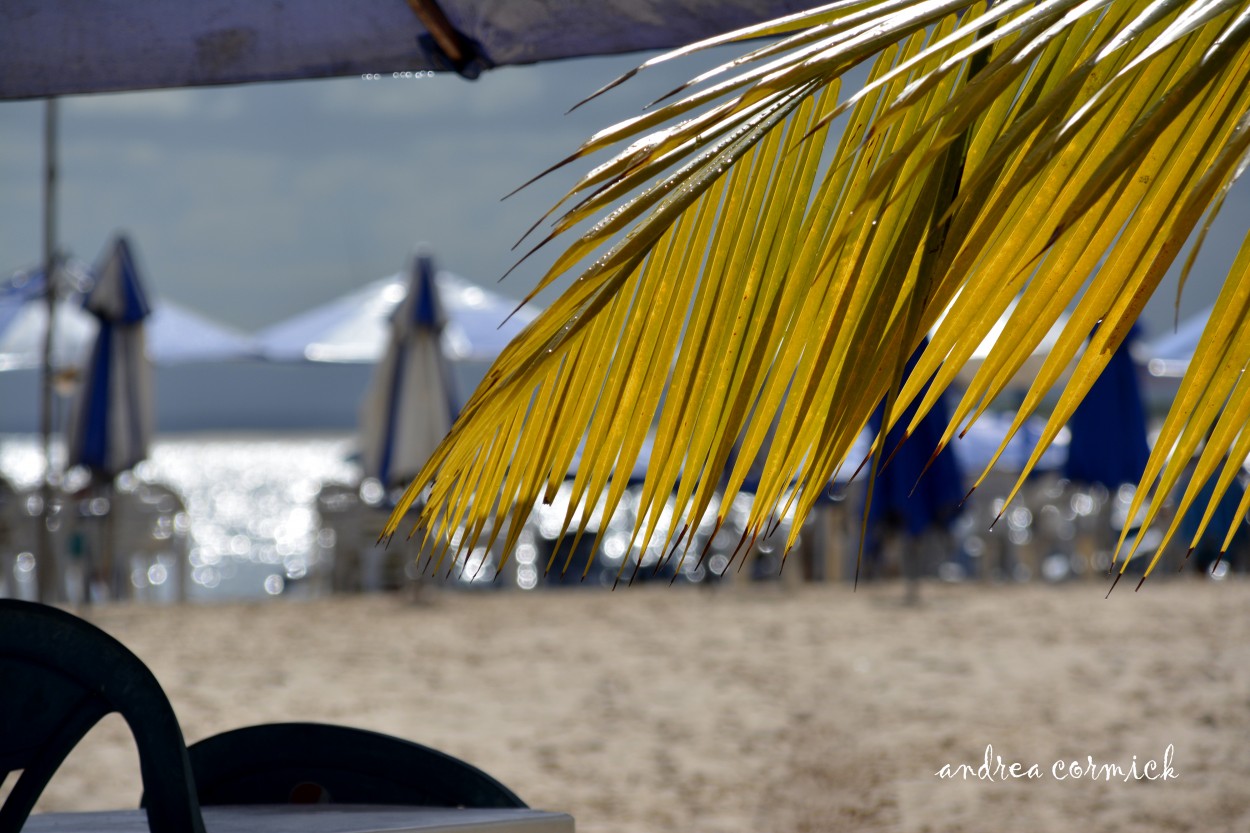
(111, 418)
(409, 408)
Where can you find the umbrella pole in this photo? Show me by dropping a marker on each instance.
(110, 579)
(47, 572)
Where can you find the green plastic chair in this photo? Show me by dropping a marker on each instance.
(317, 763)
(58, 676)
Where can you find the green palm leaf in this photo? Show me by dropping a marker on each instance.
(756, 280)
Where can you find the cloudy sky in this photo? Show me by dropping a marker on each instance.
(253, 203)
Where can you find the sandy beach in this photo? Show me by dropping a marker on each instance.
(750, 708)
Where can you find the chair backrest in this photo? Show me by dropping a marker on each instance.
(283, 763)
(58, 676)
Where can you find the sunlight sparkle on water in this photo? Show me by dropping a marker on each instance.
(249, 498)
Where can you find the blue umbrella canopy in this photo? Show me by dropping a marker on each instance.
(904, 494)
(64, 47)
(1108, 444)
(409, 406)
(111, 419)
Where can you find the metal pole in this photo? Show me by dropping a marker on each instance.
(47, 572)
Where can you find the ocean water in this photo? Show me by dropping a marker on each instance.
(245, 522)
(248, 525)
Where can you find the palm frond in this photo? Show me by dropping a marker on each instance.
(757, 279)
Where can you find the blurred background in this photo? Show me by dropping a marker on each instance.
(273, 230)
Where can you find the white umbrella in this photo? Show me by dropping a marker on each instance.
(408, 408)
(478, 323)
(174, 334)
(1029, 370)
(24, 318)
(1168, 356)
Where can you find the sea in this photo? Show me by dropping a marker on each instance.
(247, 526)
(248, 504)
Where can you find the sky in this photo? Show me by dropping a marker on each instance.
(253, 203)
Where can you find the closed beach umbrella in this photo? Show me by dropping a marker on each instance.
(903, 497)
(906, 497)
(1108, 444)
(111, 419)
(409, 406)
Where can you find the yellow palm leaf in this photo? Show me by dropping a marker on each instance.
(756, 279)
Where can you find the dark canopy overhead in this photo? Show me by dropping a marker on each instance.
(66, 47)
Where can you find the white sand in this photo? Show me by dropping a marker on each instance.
(747, 709)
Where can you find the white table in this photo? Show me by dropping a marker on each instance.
(318, 818)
